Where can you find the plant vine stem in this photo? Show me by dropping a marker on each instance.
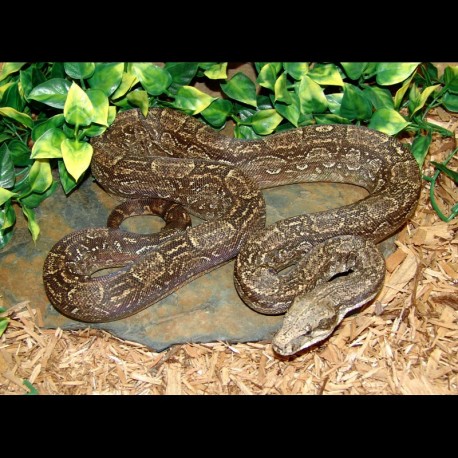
(27, 194)
(438, 96)
(432, 197)
(13, 131)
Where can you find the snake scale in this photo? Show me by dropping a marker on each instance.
(316, 267)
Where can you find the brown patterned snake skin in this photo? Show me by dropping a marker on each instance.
(170, 156)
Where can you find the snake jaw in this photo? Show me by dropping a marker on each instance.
(299, 343)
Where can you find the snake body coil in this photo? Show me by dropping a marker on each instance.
(174, 157)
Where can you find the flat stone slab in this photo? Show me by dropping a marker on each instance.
(207, 309)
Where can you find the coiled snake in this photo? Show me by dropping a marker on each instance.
(183, 166)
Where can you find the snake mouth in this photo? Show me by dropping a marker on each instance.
(299, 343)
(282, 350)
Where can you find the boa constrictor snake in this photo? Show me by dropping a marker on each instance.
(170, 163)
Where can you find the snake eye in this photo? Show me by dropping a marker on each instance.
(307, 330)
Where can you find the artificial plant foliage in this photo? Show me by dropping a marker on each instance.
(49, 111)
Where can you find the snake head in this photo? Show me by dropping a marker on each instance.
(309, 320)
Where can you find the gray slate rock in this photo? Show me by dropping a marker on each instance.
(207, 309)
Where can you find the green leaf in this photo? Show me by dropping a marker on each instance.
(414, 96)
(401, 92)
(7, 217)
(26, 82)
(420, 147)
(217, 71)
(217, 112)
(128, 81)
(191, 100)
(34, 200)
(306, 119)
(245, 132)
(326, 74)
(264, 102)
(244, 113)
(66, 180)
(107, 77)
(154, 79)
(57, 70)
(52, 92)
(311, 96)
(5, 236)
(20, 153)
(296, 69)
(32, 390)
(100, 104)
(354, 70)
(258, 66)
(3, 325)
(38, 76)
(40, 177)
(450, 173)
(139, 98)
(182, 73)
(334, 102)
(94, 130)
(264, 122)
(268, 75)
(370, 70)
(77, 157)
(291, 111)
(284, 126)
(22, 182)
(354, 104)
(124, 104)
(379, 97)
(41, 126)
(7, 175)
(240, 88)
(388, 121)
(331, 119)
(4, 137)
(48, 146)
(12, 98)
(78, 109)
(79, 70)
(22, 118)
(6, 195)
(394, 72)
(9, 68)
(431, 71)
(111, 115)
(206, 65)
(450, 101)
(421, 100)
(4, 88)
(281, 92)
(31, 222)
(451, 78)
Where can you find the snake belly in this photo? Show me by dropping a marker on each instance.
(175, 157)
